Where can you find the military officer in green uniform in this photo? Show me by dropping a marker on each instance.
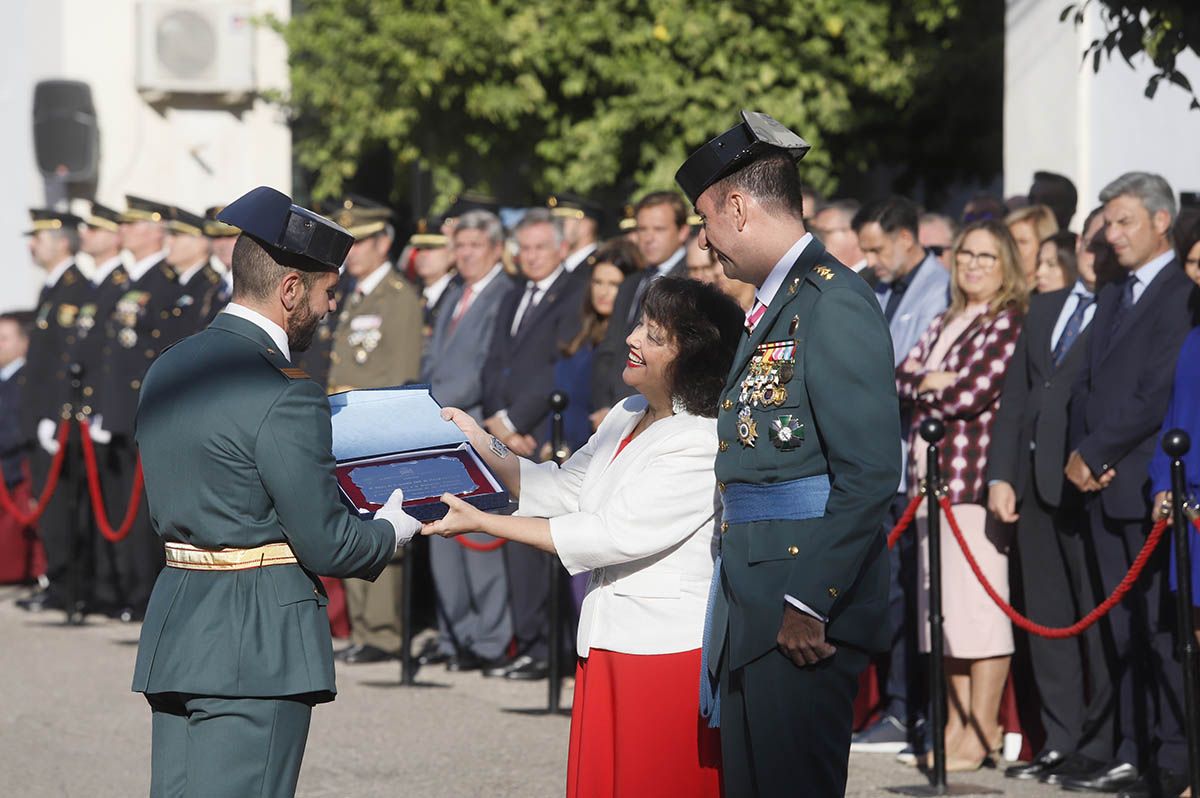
(377, 344)
(235, 649)
(807, 465)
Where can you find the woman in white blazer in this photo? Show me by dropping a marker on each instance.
(636, 507)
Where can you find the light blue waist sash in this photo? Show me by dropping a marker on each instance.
(795, 500)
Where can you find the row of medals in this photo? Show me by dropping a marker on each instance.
(762, 388)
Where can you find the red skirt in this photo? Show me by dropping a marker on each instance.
(636, 728)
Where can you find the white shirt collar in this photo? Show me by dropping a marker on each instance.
(1146, 273)
(484, 281)
(12, 368)
(579, 256)
(186, 277)
(263, 323)
(548, 281)
(1080, 289)
(670, 262)
(434, 291)
(105, 269)
(139, 268)
(770, 287)
(367, 284)
(58, 271)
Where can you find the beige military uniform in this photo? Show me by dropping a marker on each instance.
(377, 344)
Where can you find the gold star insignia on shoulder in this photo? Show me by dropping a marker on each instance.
(824, 272)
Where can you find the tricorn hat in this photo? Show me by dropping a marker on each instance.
(297, 236)
(734, 149)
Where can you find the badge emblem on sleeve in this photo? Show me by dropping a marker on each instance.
(787, 433)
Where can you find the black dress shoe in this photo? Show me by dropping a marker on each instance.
(497, 668)
(465, 661)
(41, 600)
(527, 669)
(349, 650)
(433, 657)
(367, 654)
(131, 615)
(1044, 763)
(1168, 784)
(1113, 777)
(1073, 767)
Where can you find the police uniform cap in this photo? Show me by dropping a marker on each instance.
(102, 217)
(50, 219)
(139, 209)
(294, 235)
(362, 217)
(472, 201)
(216, 229)
(628, 220)
(573, 206)
(735, 149)
(428, 235)
(185, 223)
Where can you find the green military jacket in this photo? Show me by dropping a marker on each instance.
(832, 411)
(377, 343)
(236, 451)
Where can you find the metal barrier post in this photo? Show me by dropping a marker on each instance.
(75, 603)
(1176, 444)
(558, 403)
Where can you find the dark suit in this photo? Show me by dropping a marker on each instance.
(1117, 407)
(1028, 451)
(14, 444)
(786, 730)
(519, 378)
(609, 360)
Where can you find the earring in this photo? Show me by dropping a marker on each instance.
(677, 405)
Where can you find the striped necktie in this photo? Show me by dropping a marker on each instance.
(754, 316)
(1073, 327)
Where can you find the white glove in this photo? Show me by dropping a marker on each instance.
(98, 432)
(47, 435)
(393, 511)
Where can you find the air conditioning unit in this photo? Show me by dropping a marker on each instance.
(195, 47)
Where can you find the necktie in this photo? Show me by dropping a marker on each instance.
(461, 309)
(1124, 304)
(1074, 326)
(753, 317)
(529, 302)
(894, 297)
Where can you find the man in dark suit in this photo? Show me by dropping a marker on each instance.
(46, 401)
(807, 463)
(1116, 410)
(533, 323)
(14, 445)
(662, 234)
(1026, 487)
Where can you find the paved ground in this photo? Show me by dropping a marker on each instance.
(70, 727)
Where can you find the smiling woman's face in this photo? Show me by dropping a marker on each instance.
(651, 351)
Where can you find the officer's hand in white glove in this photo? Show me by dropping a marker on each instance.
(98, 432)
(47, 435)
(393, 511)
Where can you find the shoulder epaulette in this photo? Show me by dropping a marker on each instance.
(293, 373)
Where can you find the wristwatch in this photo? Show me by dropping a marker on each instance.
(498, 448)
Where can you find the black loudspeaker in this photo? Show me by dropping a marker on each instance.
(66, 137)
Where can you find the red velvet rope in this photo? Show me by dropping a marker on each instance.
(98, 508)
(1135, 570)
(471, 545)
(6, 500)
(910, 512)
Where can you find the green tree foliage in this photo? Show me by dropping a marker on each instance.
(599, 96)
(1162, 29)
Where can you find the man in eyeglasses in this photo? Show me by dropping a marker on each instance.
(936, 233)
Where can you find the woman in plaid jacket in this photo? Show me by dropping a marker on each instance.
(955, 373)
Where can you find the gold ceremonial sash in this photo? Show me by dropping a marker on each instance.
(183, 555)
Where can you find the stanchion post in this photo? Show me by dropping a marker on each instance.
(558, 403)
(1176, 444)
(72, 459)
(933, 430)
(408, 670)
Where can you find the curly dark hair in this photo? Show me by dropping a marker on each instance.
(706, 326)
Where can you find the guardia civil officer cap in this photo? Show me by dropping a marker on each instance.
(293, 235)
(428, 235)
(50, 219)
(628, 221)
(102, 217)
(139, 209)
(736, 148)
(472, 201)
(361, 216)
(185, 223)
(216, 229)
(573, 206)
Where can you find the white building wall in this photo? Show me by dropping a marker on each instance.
(195, 156)
(1092, 127)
